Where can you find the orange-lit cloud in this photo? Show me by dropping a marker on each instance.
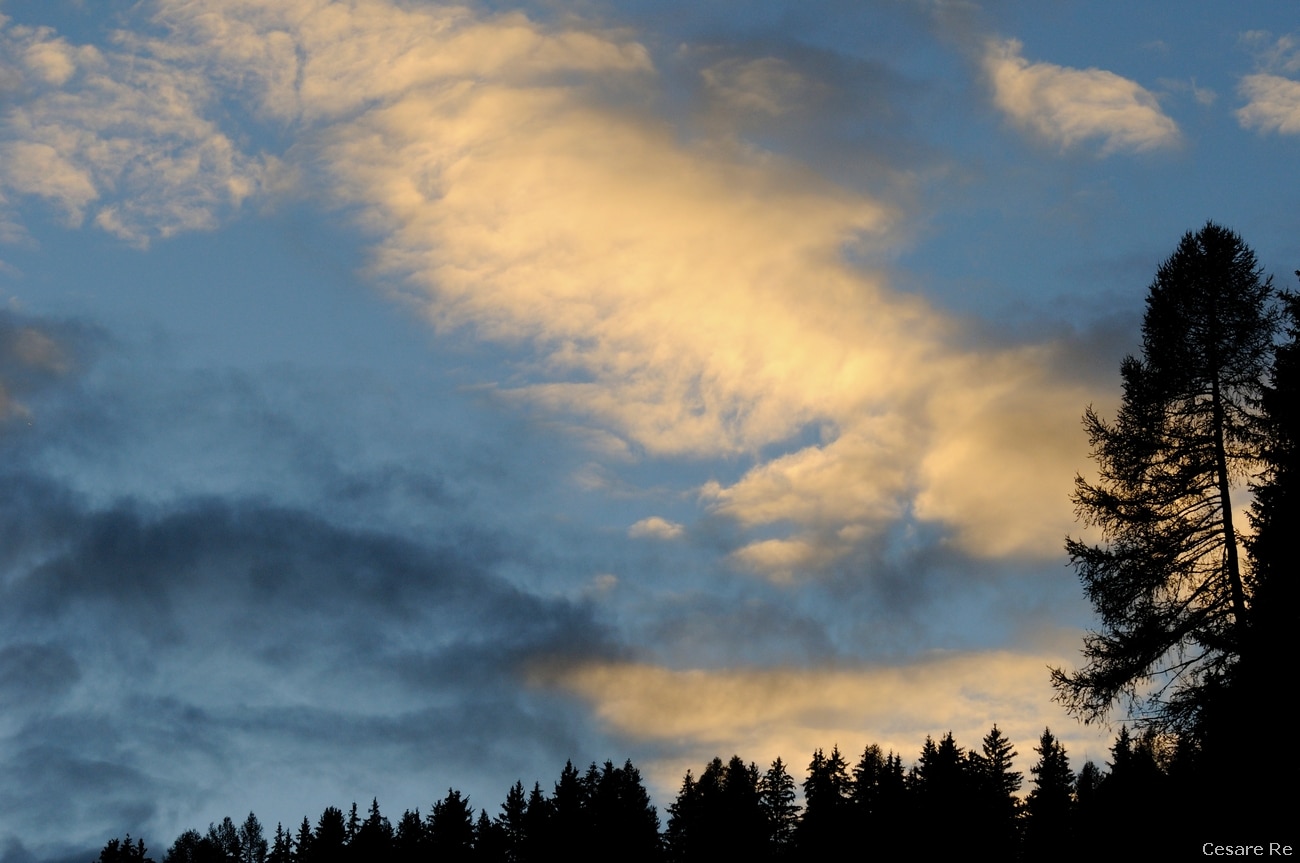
(693, 299)
(761, 713)
(117, 136)
(1068, 106)
(1272, 94)
(655, 527)
(1273, 104)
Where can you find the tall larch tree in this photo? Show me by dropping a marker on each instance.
(1168, 581)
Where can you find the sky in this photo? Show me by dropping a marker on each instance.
(396, 395)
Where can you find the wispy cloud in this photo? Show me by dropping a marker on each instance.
(119, 136)
(767, 85)
(1273, 104)
(695, 301)
(1068, 106)
(655, 527)
(1272, 98)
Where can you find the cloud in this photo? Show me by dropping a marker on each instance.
(1280, 54)
(656, 528)
(694, 300)
(767, 85)
(1272, 94)
(119, 136)
(142, 641)
(1273, 104)
(334, 629)
(1069, 106)
(694, 714)
(35, 355)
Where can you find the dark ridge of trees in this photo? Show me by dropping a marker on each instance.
(950, 800)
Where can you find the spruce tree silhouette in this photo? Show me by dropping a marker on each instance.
(193, 847)
(451, 828)
(252, 844)
(329, 842)
(993, 804)
(1049, 806)
(780, 812)
(409, 839)
(828, 815)
(124, 851)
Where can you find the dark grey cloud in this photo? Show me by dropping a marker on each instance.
(289, 621)
(38, 354)
(139, 608)
(35, 673)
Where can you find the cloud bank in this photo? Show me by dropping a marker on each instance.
(168, 656)
(766, 712)
(692, 298)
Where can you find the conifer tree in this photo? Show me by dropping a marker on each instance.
(252, 844)
(684, 818)
(623, 823)
(490, 844)
(878, 798)
(537, 825)
(409, 845)
(281, 846)
(994, 804)
(1048, 806)
(124, 851)
(330, 839)
(225, 836)
(568, 806)
(353, 824)
(374, 838)
(1168, 582)
(193, 847)
(776, 796)
(450, 828)
(304, 841)
(511, 819)
(828, 815)
(1274, 515)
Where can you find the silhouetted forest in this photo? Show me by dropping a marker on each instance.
(1196, 620)
(950, 800)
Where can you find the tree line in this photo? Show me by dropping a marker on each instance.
(949, 800)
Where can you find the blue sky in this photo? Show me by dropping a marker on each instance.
(396, 396)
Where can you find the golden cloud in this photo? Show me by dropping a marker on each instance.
(1067, 106)
(761, 713)
(691, 298)
(1273, 104)
(122, 133)
(655, 527)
